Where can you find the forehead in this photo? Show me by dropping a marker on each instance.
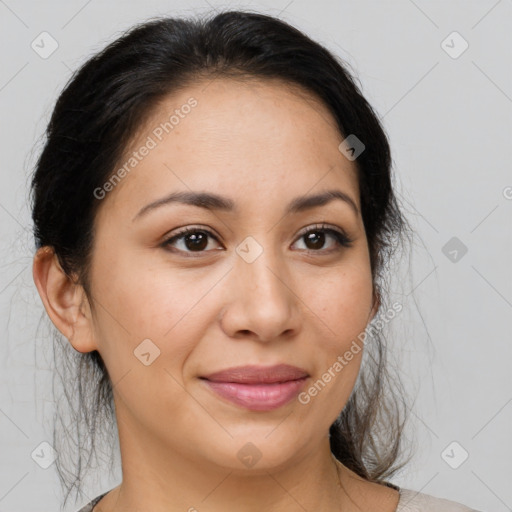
(253, 138)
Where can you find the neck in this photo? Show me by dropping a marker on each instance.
(162, 479)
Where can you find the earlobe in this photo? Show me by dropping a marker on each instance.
(64, 300)
(375, 306)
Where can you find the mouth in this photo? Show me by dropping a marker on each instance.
(258, 388)
(252, 374)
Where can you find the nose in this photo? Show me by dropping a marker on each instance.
(261, 301)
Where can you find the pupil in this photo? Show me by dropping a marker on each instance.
(317, 239)
(198, 240)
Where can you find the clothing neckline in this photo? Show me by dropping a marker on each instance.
(96, 500)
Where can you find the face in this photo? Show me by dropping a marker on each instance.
(253, 282)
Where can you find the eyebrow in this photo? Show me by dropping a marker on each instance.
(211, 201)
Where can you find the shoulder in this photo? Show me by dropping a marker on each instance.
(412, 501)
(92, 504)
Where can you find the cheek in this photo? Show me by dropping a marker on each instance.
(148, 324)
(142, 302)
(344, 302)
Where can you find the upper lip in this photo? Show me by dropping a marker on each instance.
(253, 374)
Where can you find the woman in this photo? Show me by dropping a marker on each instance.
(213, 214)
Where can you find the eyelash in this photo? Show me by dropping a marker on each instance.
(341, 238)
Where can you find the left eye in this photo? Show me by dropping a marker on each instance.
(317, 237)
(196, 240)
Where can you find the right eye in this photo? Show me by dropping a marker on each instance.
(192, 239)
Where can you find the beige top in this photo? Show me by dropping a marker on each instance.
(410, 501)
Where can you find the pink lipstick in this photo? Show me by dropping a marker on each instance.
(258, 388)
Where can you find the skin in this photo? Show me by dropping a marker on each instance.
(179, 441)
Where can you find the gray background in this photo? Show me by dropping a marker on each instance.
(449, 119)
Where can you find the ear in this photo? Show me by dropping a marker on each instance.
(65, 301)
(375, 306)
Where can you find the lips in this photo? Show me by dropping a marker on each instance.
(258, 374)
(258, 388)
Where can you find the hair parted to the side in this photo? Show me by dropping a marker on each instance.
(93, 121)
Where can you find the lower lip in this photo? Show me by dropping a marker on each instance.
(258, 397)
